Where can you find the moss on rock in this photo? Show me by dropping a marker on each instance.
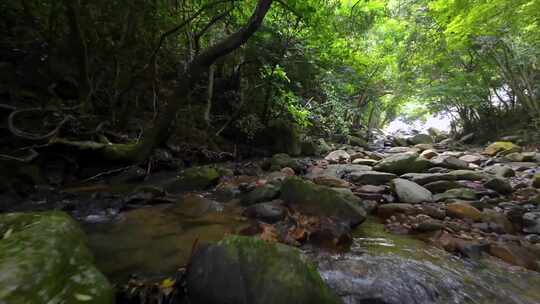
(322, 201)
(246, 270)
(403, 163)
(44, 259)
(195, 178)
(501, 147)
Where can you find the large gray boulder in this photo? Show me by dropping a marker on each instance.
(245, 270)
(403, 163)
(44, 259)
(313, 199)
(410, 192)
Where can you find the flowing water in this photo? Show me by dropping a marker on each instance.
(380, 267)
(157, 240)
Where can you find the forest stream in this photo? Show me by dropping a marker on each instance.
(152, 240)
(270, 152)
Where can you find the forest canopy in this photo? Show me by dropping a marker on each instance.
(238, 68)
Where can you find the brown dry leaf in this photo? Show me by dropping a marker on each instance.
(297, 233)
(269, 233)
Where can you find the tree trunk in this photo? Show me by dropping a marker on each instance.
(160, 131)
(210, 95)
(73, 15)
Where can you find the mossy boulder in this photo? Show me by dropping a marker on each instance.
(282, 160)
(502, 148)
(246, 270)
(420, 139)
(44, 259)
(195, 178)
(403, 163)
(317, 200)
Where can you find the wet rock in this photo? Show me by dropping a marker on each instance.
(195, 178)
(282, 160)
(331, 182)
(410, 192)
(442, 186)
(492, 216)
(460, 246)
(514, 255)
(531, 222)
(433, 210)
(533, 238)
(420, 139)
(403, 163)
(425, 178)
(449, 162)
(472, 159)
(330, 234)
(338, 157)
(457, 193)
(386, 211)
(423, 147)
(266, 192)
(372, 189)
(313, 199)
(468, 175)
(43, 259)
(536, 180)
(502, 148)
(394, 150)
(269, 212)
(429, 226)
(463, 211)
(364, 161)
(371, 177)
(428, 154)
(517, 157)
(500, 185)
(244, 270)
(500, 170)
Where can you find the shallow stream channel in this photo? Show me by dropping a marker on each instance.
(154, 241)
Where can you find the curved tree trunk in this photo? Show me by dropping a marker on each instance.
(200, 64)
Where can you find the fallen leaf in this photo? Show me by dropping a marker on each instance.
(83, 297)
(269, 233)
(8, 233)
